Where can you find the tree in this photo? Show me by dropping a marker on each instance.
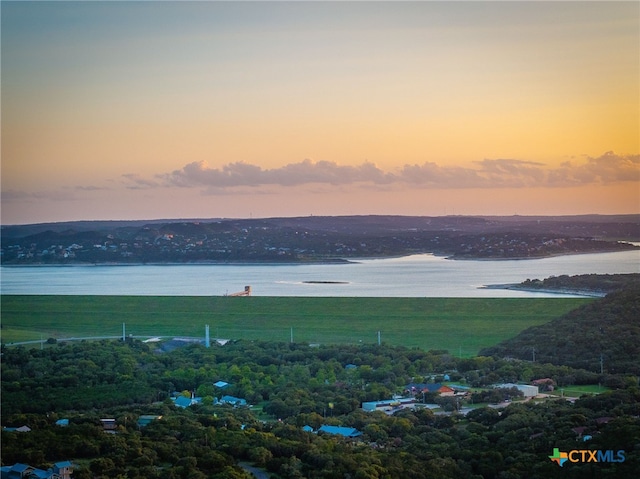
(102, 466)
(260, 456)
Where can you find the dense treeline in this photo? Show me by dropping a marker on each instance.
(293, 385)
(209, 441)
(594, 283)
(288, 378)
(298, 385)
(600, 336)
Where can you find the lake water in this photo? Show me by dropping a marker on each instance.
(411, 276)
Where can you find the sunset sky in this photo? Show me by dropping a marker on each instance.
(144, 110)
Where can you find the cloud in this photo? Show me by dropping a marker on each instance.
(294, 174)
(487, 173)
(326, 177)
(512, 173)
(605, 169)
(430, 175)
(91, 188)
(136, 182)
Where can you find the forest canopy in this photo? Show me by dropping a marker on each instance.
(296, 393)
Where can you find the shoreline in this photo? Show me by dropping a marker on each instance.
(518, 287)
(174, 263)
(307, 261)
(550, 255)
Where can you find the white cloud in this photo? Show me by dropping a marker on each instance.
(294, 174)
(136, 182)
(489, 173)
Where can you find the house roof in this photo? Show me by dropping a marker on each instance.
(233, 400)
(41, 474)
(540, 381)
(428, 387)
(221, 384)
(146, 419)
(340, 431)
(183, 401)
(24, 470)
(19, 467)
(17, 429)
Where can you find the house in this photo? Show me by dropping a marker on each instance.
(221, 384)
(62, 422)
(64, 469)
(184, 401)
(17, 470)
(234, 401)
(350, 432)
(17, 429)
(109, 425)
(146, 419)
(60, 470)
(544, 384)
(388, 404)
(419, 388)
(527, 390)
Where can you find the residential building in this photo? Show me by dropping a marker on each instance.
(60, 470)
(349, 432)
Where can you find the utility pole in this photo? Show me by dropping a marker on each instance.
(379, 338)
(533, 351)
(601, 364)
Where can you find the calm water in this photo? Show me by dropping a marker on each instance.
(410, 276)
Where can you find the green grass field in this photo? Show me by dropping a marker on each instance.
(461, 325)
(580, 389)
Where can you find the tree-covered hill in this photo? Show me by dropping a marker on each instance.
(603, 335)
(293, 385)
(586, 283)
(313, 238)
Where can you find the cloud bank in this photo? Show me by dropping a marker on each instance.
(489, 173)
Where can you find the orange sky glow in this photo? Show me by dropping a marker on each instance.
(144, 110)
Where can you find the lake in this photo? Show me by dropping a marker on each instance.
(422, 275)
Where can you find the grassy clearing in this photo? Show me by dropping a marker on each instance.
(581, 389)
(461, 325)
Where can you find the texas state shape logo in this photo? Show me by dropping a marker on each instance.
(559, 457)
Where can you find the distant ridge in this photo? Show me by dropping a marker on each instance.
(18, 231)
(372, 221)
(315, 238)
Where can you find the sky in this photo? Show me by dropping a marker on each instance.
(178, 109)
